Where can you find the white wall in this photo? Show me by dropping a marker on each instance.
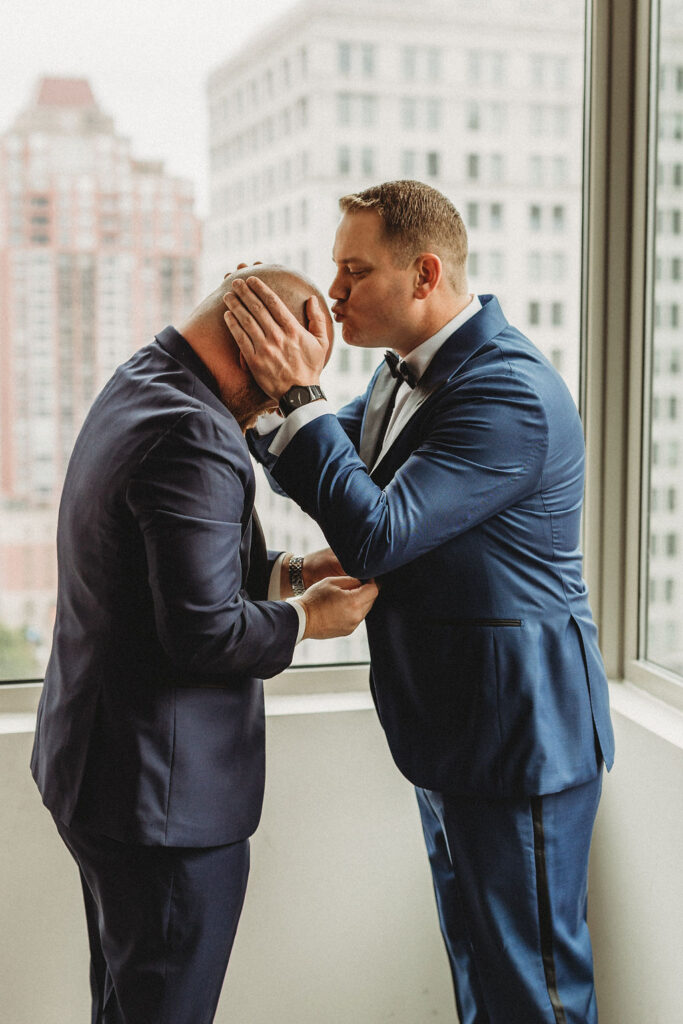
(339, 924)
(636, 895)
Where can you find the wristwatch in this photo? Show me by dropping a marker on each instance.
(296, 575)
(298, 395)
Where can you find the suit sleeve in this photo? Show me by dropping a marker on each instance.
(481, 449)
(350, 417)
(188, 497)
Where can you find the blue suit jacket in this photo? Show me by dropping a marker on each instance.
(151, 723)
(485, 668)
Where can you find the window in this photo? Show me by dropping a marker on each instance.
(662, 632)
(382, 109)
(344, 160)
(408, 163)
(472, 215)
(344, 58)
(367, 160)
(344, 108)
(473, 166)
(409, 62)
(368, 107)
(408, 112)
(433, 164)
(367, 59)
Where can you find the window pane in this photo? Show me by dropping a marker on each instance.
(102, 249)
(664, 550)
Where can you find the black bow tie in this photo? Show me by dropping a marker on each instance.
(398, 368)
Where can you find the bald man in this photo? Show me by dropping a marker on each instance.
(149, 748)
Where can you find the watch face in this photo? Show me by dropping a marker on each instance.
(298, 395)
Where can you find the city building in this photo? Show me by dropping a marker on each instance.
(664, 642)
(98, 251)
(335, 97)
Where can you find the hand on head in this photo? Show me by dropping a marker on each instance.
(278, 349)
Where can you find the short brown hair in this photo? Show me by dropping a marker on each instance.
(417, 218)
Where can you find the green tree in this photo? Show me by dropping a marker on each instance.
(17, 655)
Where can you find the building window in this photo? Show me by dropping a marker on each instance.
(473, 166)
(344, 58)
(343, 160)
(367, 59)
(557, 314)
(558, 216)
(408, 112)
(409, 62)
(367, 160)
(472, 216)
(433, 161)
(343, 108)
(408, 163)
(368, 106)
(433, 118)
(534, 313)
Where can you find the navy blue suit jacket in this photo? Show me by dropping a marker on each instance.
(485, 665)
(151, 722)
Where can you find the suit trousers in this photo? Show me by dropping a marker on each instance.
(511, 882)
(161, 924)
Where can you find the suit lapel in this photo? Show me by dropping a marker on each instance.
(256, 581)
(372, 424)
(455, 351)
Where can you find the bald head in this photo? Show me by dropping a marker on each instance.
(293, 288)
(206, 331)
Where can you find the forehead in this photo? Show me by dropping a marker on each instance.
(360, 235)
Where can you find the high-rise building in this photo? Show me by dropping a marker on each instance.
(664, 642)
(98, 251)
(485, 102)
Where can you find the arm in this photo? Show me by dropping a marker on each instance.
(482, 450)
(188, 498)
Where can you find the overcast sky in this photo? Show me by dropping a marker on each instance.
(147, 63)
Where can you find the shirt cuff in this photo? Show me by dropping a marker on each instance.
(295, 421)
(301, 612)
(267, 423)
(274, 590)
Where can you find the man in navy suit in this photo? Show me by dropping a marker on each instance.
(458, 479)
(149, 748)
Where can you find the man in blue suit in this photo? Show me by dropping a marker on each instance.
(458, 479)
(149, 748)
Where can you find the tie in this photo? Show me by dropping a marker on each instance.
(398, 369)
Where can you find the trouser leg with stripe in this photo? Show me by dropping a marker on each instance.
(510, 878)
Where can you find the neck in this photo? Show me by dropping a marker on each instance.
(433, 322)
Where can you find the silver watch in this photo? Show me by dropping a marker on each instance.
(296, 575)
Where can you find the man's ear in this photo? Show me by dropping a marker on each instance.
(428, 274)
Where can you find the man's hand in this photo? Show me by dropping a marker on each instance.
(318, 565)
(278, 350)
(335, 606)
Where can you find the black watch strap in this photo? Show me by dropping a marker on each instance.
(299, 395)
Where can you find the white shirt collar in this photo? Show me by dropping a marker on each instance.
(419, 359)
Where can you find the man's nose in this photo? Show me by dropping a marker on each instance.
(336, 289)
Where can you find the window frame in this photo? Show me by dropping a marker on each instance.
(617, 297)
